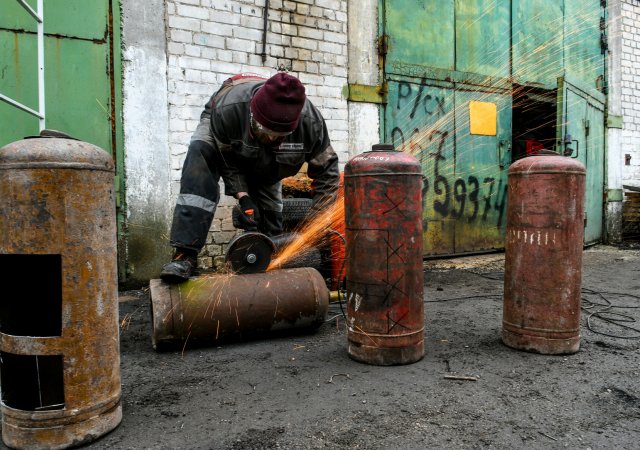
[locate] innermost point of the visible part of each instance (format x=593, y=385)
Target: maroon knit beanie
x=278, y=103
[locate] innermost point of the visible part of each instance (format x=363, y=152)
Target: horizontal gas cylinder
x=218, y=306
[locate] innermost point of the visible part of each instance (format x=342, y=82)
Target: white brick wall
x=631, y=90
x=210, y=40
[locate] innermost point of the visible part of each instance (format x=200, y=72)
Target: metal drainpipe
x=264, y=31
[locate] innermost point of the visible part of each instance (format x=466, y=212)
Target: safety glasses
x=258, y=128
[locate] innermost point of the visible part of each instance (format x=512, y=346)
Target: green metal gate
x=450, y=67
x=581, y=127
x=82, y=75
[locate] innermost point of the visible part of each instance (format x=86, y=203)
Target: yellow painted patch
x=483, y=118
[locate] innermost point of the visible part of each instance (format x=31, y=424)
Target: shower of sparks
x=313, y=233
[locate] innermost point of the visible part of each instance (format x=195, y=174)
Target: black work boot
x=181, y=267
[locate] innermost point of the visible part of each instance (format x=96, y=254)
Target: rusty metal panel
x=56, y=200
x=482, y=38
x=385, y=310
x=543, y=255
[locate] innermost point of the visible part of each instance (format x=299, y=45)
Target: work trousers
x=200, y=194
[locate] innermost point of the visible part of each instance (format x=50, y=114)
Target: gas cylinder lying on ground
x=222, y=306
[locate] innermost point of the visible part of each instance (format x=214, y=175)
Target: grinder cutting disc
x=250, y=252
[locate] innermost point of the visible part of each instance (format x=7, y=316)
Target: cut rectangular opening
x=32, y=382
x=32, y=302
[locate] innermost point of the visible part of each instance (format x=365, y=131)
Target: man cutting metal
x=253, y=133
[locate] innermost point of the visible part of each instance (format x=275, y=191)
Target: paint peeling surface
x=213, y=307
x=75, y=397
x=531, y=237
x=543, y=260
x=384, y=265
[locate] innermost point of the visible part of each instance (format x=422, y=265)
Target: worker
x=253, y=133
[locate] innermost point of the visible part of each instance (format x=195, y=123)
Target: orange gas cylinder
x=543, y=254
x=383, y=215
x=59, y=343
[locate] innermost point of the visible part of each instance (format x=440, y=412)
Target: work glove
x=246, y=215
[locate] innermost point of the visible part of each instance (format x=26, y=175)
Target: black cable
x=494, y=276
x=462, y=298
x=605, y=312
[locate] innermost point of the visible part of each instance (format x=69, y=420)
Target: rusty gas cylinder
x=383, y=215
x=218, y=307
x=543, y=254
x=59, y=343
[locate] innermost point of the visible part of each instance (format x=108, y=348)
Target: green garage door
x=443, y=106
x=455, y=70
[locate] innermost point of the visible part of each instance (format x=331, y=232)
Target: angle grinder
x=252, y=252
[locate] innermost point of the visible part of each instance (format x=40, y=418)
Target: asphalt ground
x=302, y=391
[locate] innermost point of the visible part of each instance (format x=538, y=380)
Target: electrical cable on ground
x=596, y=311
x=604, y=312
x=466, y=297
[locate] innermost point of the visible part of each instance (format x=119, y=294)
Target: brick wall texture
x=631, y=90
x=210, y=40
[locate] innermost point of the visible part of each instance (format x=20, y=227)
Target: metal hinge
x=383, y=45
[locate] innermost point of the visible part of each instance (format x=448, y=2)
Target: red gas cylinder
x=383, y=215
x=543, y=254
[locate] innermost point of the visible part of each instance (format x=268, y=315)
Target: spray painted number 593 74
x=468, y=199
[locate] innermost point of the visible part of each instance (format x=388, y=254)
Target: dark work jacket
x=244, y=161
